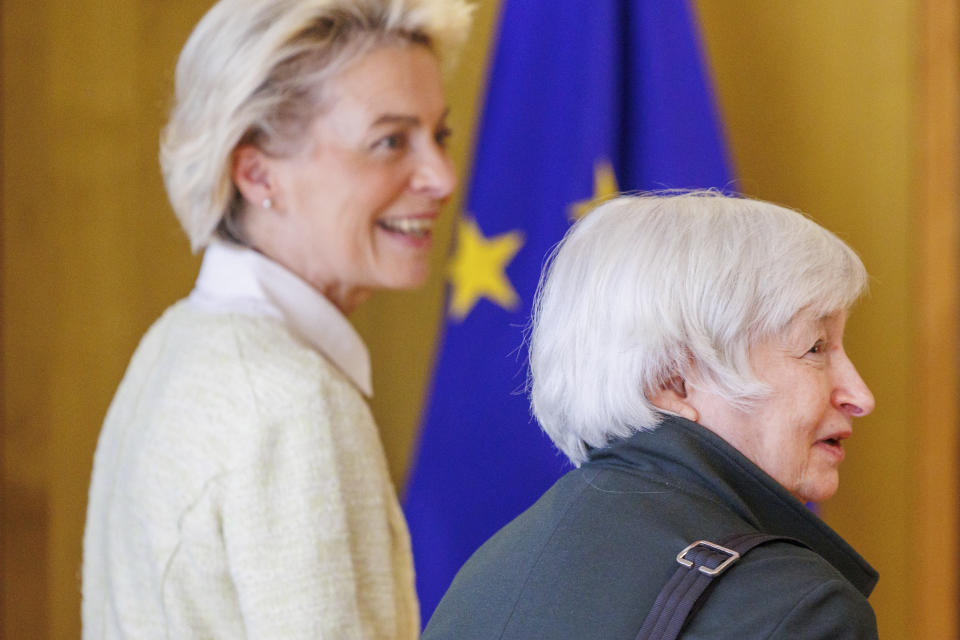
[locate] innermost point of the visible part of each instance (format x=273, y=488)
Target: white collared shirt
x=235, y=279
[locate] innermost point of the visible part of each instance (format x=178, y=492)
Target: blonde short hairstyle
x=648, y=288
x=253, y=72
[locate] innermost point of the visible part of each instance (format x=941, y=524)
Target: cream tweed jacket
x=239, y=485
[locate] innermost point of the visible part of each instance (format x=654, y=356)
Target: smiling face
x=796, y=434
x=354, y=210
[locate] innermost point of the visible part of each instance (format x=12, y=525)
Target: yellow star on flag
x=604, y=188
x=478, y=266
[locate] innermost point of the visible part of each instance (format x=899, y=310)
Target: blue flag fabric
x=584, y=98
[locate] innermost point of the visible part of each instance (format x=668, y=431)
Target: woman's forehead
x=808, y=320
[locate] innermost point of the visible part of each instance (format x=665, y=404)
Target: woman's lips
x=833, y=445
x=415, y=226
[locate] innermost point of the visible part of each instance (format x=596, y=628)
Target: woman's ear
x=251, y=173
x=672, y=397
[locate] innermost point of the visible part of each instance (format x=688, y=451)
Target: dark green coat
x=588, y=559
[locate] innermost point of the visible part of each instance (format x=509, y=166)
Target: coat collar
x=234, y=279
x=691, y=456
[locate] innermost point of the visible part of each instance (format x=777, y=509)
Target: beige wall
x=819, y=101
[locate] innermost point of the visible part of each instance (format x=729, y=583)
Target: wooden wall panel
x=91, y=256
x=24, y=596
x=935, y=586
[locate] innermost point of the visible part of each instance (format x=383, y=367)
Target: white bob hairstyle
x=645, y=289
x=253, y=72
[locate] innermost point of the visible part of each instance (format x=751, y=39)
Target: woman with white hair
x=239, y=486
x=687, y=355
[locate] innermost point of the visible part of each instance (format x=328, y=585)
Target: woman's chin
x=408, y=276
x=820, y=490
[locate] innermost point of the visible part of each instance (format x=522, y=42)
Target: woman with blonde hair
x=239, y=486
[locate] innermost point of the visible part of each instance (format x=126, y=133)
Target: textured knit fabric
x=588, y=559
x=239, y=487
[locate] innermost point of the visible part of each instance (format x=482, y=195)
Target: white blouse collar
x=235, y=279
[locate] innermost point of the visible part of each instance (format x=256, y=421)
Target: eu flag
x=584, y=99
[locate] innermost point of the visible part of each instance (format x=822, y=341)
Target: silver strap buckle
x=733, y=557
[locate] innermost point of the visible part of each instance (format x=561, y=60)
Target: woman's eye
x=392, y=141
x=442, y=136
x=818, y=347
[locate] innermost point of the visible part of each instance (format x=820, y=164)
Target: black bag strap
x=701, y=563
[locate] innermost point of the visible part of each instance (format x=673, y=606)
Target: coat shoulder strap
x=701, y=564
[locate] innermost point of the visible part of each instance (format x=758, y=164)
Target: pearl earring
x=267, y=203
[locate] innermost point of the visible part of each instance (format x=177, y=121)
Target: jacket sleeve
x=310, y=540
x=833, y=610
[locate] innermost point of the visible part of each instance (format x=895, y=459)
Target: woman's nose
x=434, y=174
x=851, y=394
